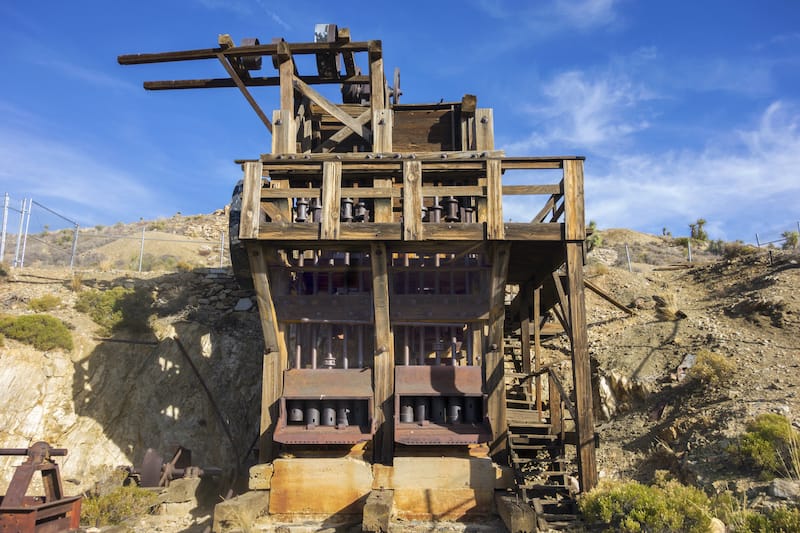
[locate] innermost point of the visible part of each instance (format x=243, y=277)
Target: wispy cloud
x=584, y=111
x=273, y=15
x=542, y=18
x=85, y=74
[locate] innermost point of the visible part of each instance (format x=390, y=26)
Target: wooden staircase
x=536, y=445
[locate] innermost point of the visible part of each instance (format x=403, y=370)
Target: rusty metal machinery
x=155, y=472
x=48, y=513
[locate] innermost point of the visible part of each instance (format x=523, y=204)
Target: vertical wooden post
x=537, y=345
x=575, y=232
x=381, y=116
x=275, y=350
x=495, y=230
x=283, y=121
x=383, y=365
x=468, y=105
x=525, y=335
x=484, y=141
x=251, y=201
x=493, y=362
x=331, y=199
x=412, y=201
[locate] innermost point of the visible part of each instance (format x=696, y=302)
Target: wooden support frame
x=331, y=199
x=412, y=201
x=494, y=361
x=331, y=108
x=383, y=365
x=494, y=199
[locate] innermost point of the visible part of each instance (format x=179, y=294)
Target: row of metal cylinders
x=448, y=209
x=329, y=413
x=440, y=409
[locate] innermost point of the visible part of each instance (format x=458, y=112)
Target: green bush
x=710, y=368
x=630, y=506
x=116, y=308
x=48, y=302
x=43, y=332
x=117, y=506
x=739, y=517
x=771, y=444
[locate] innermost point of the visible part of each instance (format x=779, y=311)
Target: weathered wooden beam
x=283, y=132
x=251, y=201
x=260, y=81
x=412, y=201
x=494, y=199
x=573, y=201
x=240, y=51
x=275, y=351
x=537, y=346
x=237, y=80
x=331, y=142
x=525, y=333
x=607, y=297
x=494, y=361
x=581, y=368
x=383, y=365
x=484, y=129
x=540, y=216
x=331, y=199
x=332, y=108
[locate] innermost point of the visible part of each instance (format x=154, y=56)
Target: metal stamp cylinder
x=328, y=413
x=312, y=414
x=454, y=406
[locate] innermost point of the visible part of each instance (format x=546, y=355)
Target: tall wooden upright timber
x=380, y=256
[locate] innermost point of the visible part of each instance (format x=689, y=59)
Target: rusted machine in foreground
x=49, y=513
x=374, y=237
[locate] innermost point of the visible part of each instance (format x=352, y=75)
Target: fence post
x=19, y=233
x=25, y=236
x=74, y=248
x=757, y=242
x=628, y=254
x=689, y=247
x=5, y=221
x=141, y=250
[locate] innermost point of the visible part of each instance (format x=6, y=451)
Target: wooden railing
x=401, y=196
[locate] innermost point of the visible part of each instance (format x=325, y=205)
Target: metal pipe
x=345, y=362
x=421, y=355
x=437, y=346
x=19, y=233
x=360, y=362
x=453, y=345
x=25, y=237
x=330, y=359
x=470, y=360
x=406, y=347
x=314, y=339
x=298, y=355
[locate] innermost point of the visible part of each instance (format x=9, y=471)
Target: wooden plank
x=387, y=158
x=525, y=164
x=345, y=132
x=512, y=190
x=581, y=367
x=573, y=201
x=359, y=231
x=537, y=346
x=377, y=99
x=383, y=207
x=251, y=201
x=494, y=199
x=260, y=81
x=607, y=297
x=383, y=365
x=412, y=201
x=453, y=190
x=484, y=129
x=519, y=231
x=315, y=192
x=320, y=308
x=289, y=232
x=331, y=199
x=446, y=308
x=332, y=108
x=563, y=301
x=454, y=231
x=275, y=351
x=286, y=72
x=525, y=334
x=494, y=361
x=540, y=216
x=241, y=51
x=556, y=410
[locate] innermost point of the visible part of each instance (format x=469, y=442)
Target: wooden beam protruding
x=383, y=364
x=284, y=130
x=345, y=132
x=573, y=200
x=484, y=129
x=331, y=199
x=412, y=201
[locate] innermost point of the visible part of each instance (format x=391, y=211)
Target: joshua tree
x=697, y=231
x=791, y=238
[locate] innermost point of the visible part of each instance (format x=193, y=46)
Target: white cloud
x=540, y=19
x=584, y=112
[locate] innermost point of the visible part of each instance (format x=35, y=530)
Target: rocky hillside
x=187, y=370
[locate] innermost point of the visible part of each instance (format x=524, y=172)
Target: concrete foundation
x=239, y=513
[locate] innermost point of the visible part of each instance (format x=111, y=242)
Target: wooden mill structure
x=374, y=236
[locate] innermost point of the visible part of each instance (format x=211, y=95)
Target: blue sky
x=683, y=109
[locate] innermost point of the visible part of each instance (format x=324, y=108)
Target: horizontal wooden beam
x=261, y=81
x=332, y=109
x=240, y=51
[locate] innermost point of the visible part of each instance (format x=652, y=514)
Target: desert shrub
x=666, y=309
x=732, y=250
x=117, y=506
x=157, y=225
x=76, y=282
x=2, y=340
x=738, y=517
x=790, y=240
x=48, y=302
x=43, y=332
x=771, y=444
x=3, y=270
x=711, y=368
x=116, y=308
x=183, y=266
x=631, y=506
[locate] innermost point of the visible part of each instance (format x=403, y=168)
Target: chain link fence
x=34, y=235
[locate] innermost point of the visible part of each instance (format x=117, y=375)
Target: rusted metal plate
x=37, y=517
x=438, y=381
x=434, y=434
x=321, y=435
x=333, y=383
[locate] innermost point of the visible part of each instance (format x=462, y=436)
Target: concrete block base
x=517, y=515
x=378, y=511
